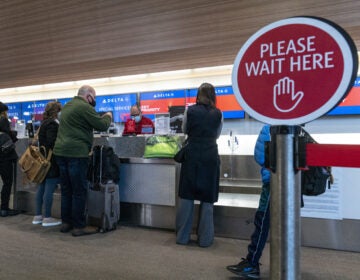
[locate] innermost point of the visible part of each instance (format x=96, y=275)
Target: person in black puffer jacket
x=47, y=135
x=7, y=164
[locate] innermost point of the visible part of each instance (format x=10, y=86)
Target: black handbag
x=6, y=144
x=181, y=154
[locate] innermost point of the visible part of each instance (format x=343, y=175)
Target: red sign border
x=349, y=52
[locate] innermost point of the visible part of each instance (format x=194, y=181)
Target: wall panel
x=44, y=41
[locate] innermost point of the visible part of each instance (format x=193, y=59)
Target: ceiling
x=46, y=41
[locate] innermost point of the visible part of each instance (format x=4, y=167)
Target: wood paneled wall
x=46, y=41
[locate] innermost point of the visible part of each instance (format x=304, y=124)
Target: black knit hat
x=3, y=107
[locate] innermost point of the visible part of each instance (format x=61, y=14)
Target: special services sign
x=294, y=70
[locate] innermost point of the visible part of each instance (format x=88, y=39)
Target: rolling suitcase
x=103, y=199
x=103, y=206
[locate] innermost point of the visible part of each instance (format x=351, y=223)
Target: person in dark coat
x=46, y=137
x=199, y=175
x=7, y=164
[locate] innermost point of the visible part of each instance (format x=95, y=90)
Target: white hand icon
x=284, y=90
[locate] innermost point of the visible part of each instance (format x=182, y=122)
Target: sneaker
x=245, y=269
x=84, y=231
x=49, y=222
x=37, y=220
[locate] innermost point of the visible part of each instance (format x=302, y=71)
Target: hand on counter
x=108, y=114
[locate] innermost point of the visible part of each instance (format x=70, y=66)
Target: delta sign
x=294, y=70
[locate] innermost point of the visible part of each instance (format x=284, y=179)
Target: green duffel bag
x=162, y=146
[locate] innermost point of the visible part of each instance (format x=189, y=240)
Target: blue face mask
x=137, y=119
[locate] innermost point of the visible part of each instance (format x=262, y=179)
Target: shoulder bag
x=34, y=164
x=161, y=146
x=6, y=143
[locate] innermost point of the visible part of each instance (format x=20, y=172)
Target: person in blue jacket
x=249, y=266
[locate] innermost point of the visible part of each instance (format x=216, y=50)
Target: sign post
x=288, y=73
x=285, y=207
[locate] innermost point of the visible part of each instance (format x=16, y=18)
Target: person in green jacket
x=72, y=147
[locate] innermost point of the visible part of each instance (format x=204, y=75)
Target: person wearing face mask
x=138, y=124
x=72, y=147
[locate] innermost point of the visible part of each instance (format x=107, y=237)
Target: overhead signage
x=350, y=105
x=160, y=101
x=118, y=104
x=294, y=70
x=225, y=101
x=32, y=108
x=63, y=101
x=14, y=110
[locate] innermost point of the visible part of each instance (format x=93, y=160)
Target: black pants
x=7, y=176
x=262, y=227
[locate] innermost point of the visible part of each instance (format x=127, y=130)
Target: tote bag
x=162, y=146
x=34, y=164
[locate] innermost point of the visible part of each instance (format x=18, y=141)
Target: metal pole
x=285, y=208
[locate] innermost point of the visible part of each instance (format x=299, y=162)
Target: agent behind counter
x=138, y=124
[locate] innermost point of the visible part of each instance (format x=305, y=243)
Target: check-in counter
x=148, y=195
x=148, y=188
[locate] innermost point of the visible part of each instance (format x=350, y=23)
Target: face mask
x=92, y=102
x=58, y=115
x=137, y=119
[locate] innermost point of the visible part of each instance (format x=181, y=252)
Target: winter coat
x=200, y=173
x=47, y=136
x=75, y=135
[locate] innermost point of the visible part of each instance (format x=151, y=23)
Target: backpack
x=315, y=180
x=104, y=165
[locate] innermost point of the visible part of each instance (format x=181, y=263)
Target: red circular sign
x=294, y=70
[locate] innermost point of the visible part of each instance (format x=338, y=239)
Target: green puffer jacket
x=75, y=134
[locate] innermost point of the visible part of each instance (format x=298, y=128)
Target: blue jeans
x=44, y=194
x=184, y=220
x=74, y=184
x=262, y=227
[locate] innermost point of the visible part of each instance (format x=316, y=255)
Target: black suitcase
x=103, y=199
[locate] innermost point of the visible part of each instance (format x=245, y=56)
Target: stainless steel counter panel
x=149, y=181
x=148, y=160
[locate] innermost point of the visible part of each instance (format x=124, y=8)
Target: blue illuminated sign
x=118, y=104
x=14, y=110
x=225, y=101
